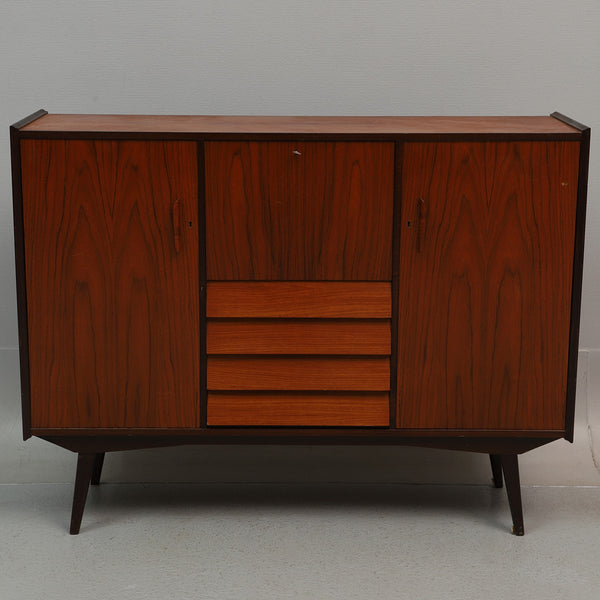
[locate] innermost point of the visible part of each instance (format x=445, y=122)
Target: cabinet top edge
x=299, y=125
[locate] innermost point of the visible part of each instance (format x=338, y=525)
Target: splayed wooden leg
x=510, y=467
x=97, y=469
x=496, y=470
x=85, y=466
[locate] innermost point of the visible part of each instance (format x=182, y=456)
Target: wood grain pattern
x=294, y=125
x=299, y=299
x=300, y=336
x=298, y=409
x=299, y=210
x=298, y=373
x=484, y=324
x=112, y=305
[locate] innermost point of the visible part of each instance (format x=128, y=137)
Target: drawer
x=298, y=373
x=300, y=299
x=299, y=336
x=298, y=409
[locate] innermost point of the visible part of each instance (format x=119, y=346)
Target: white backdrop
x=318, y=57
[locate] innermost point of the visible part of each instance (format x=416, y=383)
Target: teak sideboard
x=299, y=280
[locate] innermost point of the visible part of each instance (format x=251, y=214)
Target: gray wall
x=354, y=57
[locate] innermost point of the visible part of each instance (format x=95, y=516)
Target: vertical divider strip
x=396, y=232
x=202, y=282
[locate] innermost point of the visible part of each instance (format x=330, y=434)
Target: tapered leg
x=97, y=469
x=510, y=466
x=496, y=470
x=85, y=466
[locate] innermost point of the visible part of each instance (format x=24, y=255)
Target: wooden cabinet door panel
x=484, y=286
x=111, y=251
x=299, y=210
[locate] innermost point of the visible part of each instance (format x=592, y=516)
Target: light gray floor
x=262, y=541
x=373, y=523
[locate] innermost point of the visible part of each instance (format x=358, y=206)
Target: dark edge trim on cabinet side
x=499, y=445
x=584, y=156
x=29, y=119
x=202, y=273
x=571, y=122
x=19, y=244
x=396, y=229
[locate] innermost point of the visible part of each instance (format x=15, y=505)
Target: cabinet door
x=299, y=210
x=111, y=253
x=485, y=284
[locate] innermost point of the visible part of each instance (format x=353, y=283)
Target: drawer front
x=300, y=299
x=299, y=210
x=298, y=409
x=298, y=373
x=299, y=336
x=298, y=353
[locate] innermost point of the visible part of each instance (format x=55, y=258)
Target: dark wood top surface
x=294, y=125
